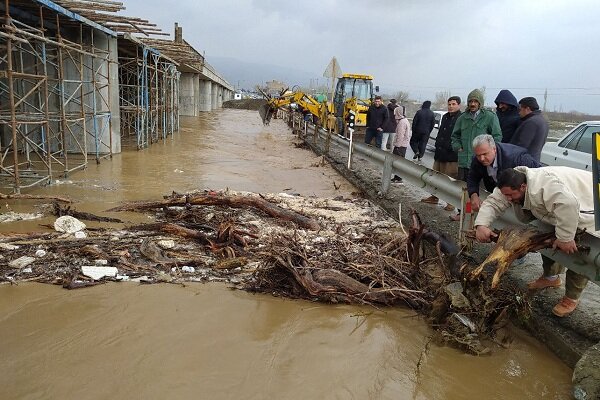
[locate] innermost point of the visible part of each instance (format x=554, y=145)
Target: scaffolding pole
x=54, y=95
x=148, y=95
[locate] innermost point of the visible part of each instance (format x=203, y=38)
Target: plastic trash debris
x=65, y=182
x=101, y=262
x=8, y=246
x=97, y=273
x=455, y=292
x=465, y=321
x=166, y=244
x=40, y=253
x=80, y=235
x=123, y=278
x=68, y=224
x=189, y=269
x=27, y=270
x=21, y=262
x=12, y=216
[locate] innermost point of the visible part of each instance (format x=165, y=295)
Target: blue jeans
x=373, y=133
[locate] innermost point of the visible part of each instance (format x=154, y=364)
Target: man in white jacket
x=560, y=196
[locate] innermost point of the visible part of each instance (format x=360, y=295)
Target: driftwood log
x=512, y=243
x=60, y=211
x=34, y=197
x=224, y=200
x=173, y=229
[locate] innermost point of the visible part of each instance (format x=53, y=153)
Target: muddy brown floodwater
x=124, y=341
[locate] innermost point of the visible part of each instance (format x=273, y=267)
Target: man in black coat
x=377, y=115
x=533, y=130
x=422, y=125
x=507, y=111
x=389, y=128
x=491, y=158
x=445, y=158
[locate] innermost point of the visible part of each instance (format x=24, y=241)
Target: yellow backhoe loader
x=353, y=92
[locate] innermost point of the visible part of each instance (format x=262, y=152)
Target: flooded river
x=125, y=341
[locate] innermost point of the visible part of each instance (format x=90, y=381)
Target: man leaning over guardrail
x=490, y=158
x=559, y=196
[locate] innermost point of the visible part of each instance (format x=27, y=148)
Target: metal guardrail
x=454, y=192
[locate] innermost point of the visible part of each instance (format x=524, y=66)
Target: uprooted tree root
x=306, y=248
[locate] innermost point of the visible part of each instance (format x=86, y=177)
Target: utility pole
x=545, y=99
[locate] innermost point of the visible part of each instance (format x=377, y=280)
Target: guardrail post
x=350, y=148
x=386, y=176
x=467, y=221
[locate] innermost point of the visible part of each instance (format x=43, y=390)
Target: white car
x=574, y=150
x=436, y=127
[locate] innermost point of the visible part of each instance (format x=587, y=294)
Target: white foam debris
x=97, y=273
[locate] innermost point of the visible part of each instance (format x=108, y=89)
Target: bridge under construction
x=78, y=82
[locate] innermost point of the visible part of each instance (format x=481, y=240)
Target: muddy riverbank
x=173, y=342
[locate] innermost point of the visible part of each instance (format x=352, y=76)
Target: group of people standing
x=515, y=123
x=501, y=151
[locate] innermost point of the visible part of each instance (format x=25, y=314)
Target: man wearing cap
x=473, y=122
x=533, y=130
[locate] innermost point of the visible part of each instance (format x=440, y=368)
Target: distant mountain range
x=246, y=75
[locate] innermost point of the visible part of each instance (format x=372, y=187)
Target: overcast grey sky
x=418, y=46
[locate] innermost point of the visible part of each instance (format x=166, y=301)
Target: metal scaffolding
x=58, y=87
x=54, y=93
x=148, y=93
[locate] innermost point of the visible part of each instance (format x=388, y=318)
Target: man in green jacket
x=472, y=123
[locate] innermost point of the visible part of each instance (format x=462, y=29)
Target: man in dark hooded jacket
x=507, y=110
x=422, y=125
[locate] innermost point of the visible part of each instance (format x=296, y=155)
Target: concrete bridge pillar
x=205, y=103
x=214, y=97
x=188, y=94
x=220, y=92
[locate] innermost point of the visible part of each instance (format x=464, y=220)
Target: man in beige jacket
x=559, y=196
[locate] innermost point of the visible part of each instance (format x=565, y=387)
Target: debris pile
x=331, y=250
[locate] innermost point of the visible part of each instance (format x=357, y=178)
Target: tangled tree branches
x=317, y=249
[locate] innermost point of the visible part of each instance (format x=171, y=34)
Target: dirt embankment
x=244, y=104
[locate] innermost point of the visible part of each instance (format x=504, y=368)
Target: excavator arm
x=302, y=99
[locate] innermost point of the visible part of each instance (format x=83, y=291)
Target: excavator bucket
x=266, y=112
